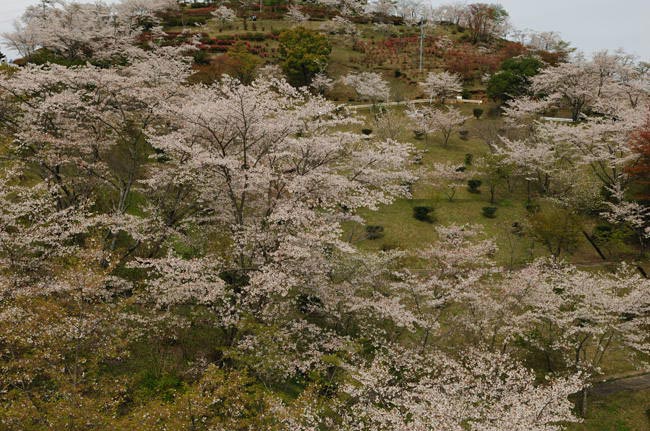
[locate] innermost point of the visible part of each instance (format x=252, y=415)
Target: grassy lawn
x=624, y=411
x=402, y=231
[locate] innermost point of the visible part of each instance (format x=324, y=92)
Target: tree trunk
x=583, y=402
x=595, y=246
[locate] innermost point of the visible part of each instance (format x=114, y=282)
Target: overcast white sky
x=589, y=25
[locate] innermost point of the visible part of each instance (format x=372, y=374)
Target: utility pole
x=422, y=22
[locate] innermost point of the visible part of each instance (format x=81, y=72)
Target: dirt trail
x=414, y=101
x=633, y=383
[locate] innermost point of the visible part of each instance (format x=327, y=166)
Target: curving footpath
x=638, y=382
x=410, y=102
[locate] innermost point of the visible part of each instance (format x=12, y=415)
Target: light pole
x=421, y=24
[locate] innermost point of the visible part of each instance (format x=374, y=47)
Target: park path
x=414, y=101
x=633, y=383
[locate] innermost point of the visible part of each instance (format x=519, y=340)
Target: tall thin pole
x=421, y=43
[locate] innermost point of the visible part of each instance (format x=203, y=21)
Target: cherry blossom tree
x=430, y=120
x=84, y=30
x=549, y=41
x=35, y=231
x=600, y=85
x=599, y=94
x=536, y=159
x=384, y=7
x=570, y=82
x=321, y=83
x=276, y=178
x=340, y=25
x=83, y=128
x=260, y=167
x=441, y=86
x=296, y=15
x=581, y=314
x=369, y=86
x=390, y=124
x=452, y=177
x=59, y=311
x=454, y=13
x=224, y=15
x=633, y=215
x=402, y=389
x=456, y=269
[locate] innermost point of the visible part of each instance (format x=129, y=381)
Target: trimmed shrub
x=532, y=207
x=424, y=214
x=494, y=111
x=388, y=247
x=374, y=232
x=473, y=186
x=308, y=303
x=201, y=57
x=469, y=158
x=366, y=131
x=464, y=134
x=478, y=112
x=489, y=212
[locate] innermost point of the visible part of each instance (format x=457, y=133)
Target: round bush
x=532, y=207
x=424, y=214
x=473, y=186
x=374, y=232
x=490, y=212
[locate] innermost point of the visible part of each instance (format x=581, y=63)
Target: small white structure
x=557, y=119
x=459, y=99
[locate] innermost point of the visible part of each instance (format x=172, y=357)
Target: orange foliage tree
x=640, y=169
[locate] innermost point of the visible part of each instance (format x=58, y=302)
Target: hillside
x=263, y=216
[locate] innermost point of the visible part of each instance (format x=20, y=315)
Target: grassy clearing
x=624, y=411
x=403, y=231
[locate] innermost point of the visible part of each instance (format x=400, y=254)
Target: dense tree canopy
x=303, y=53
x=513, y=80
